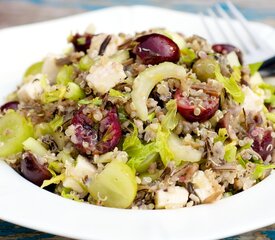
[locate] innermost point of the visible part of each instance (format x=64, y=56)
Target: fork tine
x=214, y=16
x=208, y=31
x=226, y=17
x=238, y=15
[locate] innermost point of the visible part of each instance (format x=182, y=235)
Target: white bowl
x=24, y=204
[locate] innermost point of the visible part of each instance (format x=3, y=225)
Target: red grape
x=32, y=170
x=156, y=48
x=206, y=110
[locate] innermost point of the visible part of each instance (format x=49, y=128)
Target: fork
x=224, y=23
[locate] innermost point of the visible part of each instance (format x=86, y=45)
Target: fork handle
x=268, y=67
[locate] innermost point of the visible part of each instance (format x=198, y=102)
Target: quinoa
x=115, y=125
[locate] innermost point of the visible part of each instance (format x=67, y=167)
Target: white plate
x=25, y=204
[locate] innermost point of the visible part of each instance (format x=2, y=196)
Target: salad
x=156, y=120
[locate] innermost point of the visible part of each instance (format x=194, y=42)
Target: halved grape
x=33, y=170
x=263, y=142
x=188, y=110
x=224, y=49
x=205, y=68
x=14, y=130
x=98, y=138
x=156, y=48
x=9, y=105
x=115, y=186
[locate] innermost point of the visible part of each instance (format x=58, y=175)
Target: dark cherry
x=186, y=109
x=9, y=105
x=156, y=48
x=81, y=42
x=32, y=170
x=263, y=142
x=223, y=48
x=96, y=138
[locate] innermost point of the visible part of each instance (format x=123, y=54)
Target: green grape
x=35, y=147
x=74, y=92
x=42, y=129
x=65, y=75
x=85, y=63
x=205, y=68
x=34, y=69
x=14, y=130
x=115, y=186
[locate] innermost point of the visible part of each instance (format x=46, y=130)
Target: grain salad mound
x=151, y=121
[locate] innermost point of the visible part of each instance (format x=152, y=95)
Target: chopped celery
x=68, y=193
x=145, y=164
x=54, y=95
x=85, y=63
x=187, y=55
x=171, y=119
x=34, y=69
x=59, y=138
x=254, y=67
x=222, y=135
x=54, y=180
x=151, y=116
x=115, y=186
x=231, y=84
x=65, y=75
x=140, y=154
x=164, y=150
x=183, y=153
x=55, y=166
x=74, y=92
x=115, y=93
x=260, y=169
x=270, y=116
x=35, y=147
x=96, y=101
x=56, y=122
x=230, y=152
x=65, y=157
x=120, y=56
x=14, y=130
x=42, y=129
x=147, y=80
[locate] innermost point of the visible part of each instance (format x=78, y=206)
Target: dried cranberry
x=263, y=142
x=227, y=48
x=81, y=42
x=9, y=105
x=206, y=110
x=32, y=170
x=156, y=48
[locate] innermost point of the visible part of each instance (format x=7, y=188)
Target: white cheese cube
x=81, y=170
x=50, y=68
x=77, y=174
x=174, y=197
x=252, y=101
x=30, y=91
x=206, y=187
x=105, y=75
